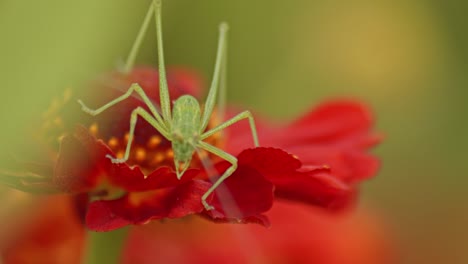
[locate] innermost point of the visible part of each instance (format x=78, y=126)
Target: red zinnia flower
x=329, y=144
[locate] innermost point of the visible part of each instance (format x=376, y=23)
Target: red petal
x=139, y=208
x=336, y=134
x=133, y=179
x=347, y=164
x=269, y=161
x=339, y=125
x=313, y=185
x=242, y=197
x=80, y=162
x=333, y=119
x=317, y=188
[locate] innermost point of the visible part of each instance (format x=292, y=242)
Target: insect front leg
x=226, y=156
x=139, y=111
x=235, y=119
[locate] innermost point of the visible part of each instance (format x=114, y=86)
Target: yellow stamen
x=113, y=142
x=158, y=157
x=170, y=153
x=154, y=141
x=94, y=129
x=140, y=154
x=120, y=154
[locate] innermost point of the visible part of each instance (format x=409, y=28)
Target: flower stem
x=105, y=247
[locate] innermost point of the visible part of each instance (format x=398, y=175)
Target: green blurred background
x=407, y=59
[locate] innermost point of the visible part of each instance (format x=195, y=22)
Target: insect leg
x=134, y=87
x=210, y=100
x=226, y=156
x=223, y=84
x=235, y=119
x=139, y=111
x=163, y=89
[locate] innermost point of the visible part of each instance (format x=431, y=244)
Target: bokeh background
x=407, y=59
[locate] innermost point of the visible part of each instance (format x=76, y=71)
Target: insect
x=186, y=126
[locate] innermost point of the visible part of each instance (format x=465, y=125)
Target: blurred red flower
x=299, y=234
x=49, y=232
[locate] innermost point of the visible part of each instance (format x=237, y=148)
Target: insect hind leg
x=228, y=157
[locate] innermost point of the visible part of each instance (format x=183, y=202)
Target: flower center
x=151, y=150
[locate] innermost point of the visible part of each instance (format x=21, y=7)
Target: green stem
x=105, y=247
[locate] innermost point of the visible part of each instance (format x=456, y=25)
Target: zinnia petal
x=139, y=208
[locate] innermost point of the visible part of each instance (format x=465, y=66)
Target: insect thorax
x=185, y=127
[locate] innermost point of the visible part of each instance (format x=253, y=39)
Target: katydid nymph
x=186, y=126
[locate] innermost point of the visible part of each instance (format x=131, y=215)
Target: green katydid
x=186, y=126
